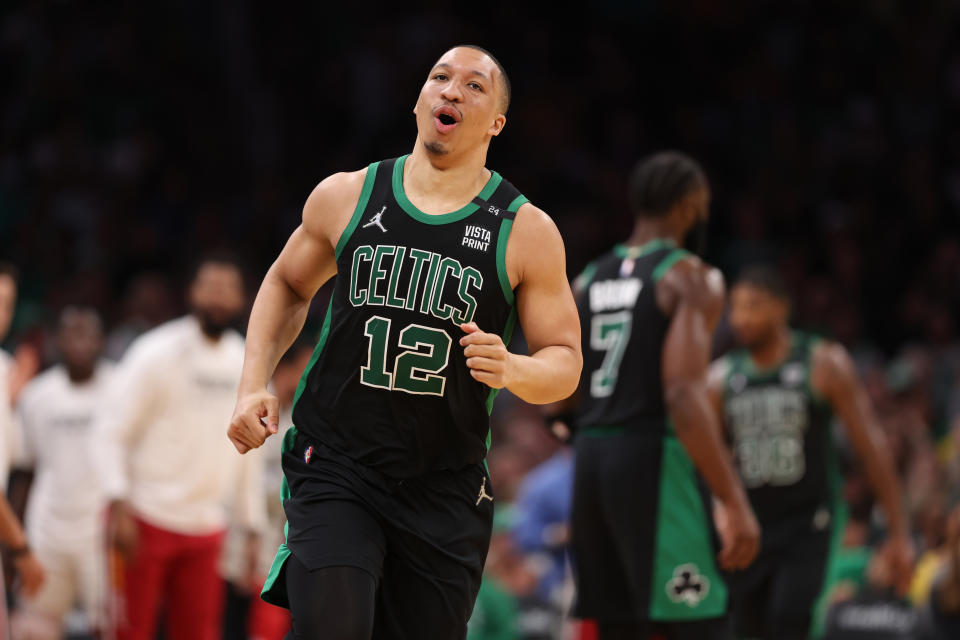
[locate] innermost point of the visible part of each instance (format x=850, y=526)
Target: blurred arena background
x=135, y=137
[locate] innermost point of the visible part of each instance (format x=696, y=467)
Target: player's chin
x=436, y=147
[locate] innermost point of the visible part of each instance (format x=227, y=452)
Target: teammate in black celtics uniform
x=388, y=501
x=645, y=558
x=777, y=397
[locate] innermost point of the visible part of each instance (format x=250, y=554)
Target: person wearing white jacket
x=64, y=509
x=29, y=569
x=166, y=469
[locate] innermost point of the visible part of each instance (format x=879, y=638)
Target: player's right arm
x=692, y=294
x=307, y=261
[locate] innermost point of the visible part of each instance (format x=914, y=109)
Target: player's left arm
x=536, y=262
x=835, y=377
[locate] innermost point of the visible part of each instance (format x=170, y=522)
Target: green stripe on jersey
x=502, y=275
x=671, y=259
x=358, y=211
x=324, y=334
x=638, y=251
x=401, y=196
x=502, y=237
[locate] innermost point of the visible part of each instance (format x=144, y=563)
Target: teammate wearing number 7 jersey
x=644, y=550
x=777, y=397
x=388, y=502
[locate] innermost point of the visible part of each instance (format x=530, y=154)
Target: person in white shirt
x=12, y=536
x=65, y=506
x=166, y=470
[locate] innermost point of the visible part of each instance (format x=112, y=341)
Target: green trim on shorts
x=270, y=585
x=360, y=208
x=683, y=551
x=838, y=521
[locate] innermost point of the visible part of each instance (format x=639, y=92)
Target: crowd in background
x=134, y=137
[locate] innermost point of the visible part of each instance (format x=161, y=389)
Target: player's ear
x=498, y=124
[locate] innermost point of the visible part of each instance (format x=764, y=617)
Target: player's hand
x=122, y=530
x=487, y=356
x=31, y=573
x=739, y=534
x=898, y=553
x=255, y=418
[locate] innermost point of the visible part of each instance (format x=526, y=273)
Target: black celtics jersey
x=623, y=332
x=388, y=384
x=780, y=432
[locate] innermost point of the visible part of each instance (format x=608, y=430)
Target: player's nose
x=451, y=92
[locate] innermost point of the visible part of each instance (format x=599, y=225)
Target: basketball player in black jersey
x=388, y=500
x=644, y=549
x=777, y=398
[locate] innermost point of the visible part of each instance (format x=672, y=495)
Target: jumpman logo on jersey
x=483, y=493
x=375, y=220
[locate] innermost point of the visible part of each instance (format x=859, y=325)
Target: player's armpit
x=536, y=263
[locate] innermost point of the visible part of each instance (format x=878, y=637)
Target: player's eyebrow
x=475, y=72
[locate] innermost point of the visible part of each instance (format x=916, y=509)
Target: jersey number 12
x=427, y=352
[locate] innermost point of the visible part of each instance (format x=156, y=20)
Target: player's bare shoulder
x=331, y=204
x=832, y=368
x=694, y=282
x=535, y=243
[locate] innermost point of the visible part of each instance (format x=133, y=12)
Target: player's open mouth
x=445, y=118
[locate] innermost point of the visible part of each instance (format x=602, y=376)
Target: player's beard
x=213, y=323
x=436, y=147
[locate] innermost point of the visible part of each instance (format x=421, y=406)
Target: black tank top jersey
x=623, y=332
x=780, y=432
x=388, y=385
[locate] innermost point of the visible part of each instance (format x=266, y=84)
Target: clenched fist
x=487, y=356
x=255, y=418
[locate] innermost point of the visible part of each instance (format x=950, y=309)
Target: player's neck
x=445, y=179
x=648, y=229
x=772, y=352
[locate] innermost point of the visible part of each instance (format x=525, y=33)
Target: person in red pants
x=167, y=471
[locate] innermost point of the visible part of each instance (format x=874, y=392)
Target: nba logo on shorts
x=307, y=454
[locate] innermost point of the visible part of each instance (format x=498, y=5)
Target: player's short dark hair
x=9, y=270
x=660, y=181
x=219, y=256
x=505, y=88
x=765, y=278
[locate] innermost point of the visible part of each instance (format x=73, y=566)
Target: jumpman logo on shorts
x=375, y=220
x=483, y=493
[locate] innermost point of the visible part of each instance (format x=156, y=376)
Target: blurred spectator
x=876, y=613
x=64, y=512
x=12, y=535
x=943, y=609
x=509, y=606
x=541, y=526
x=166, y=465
